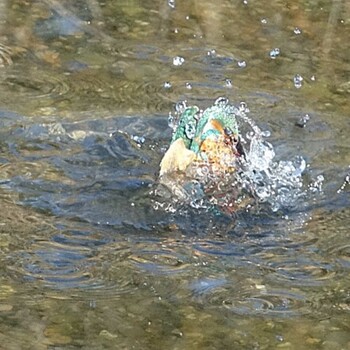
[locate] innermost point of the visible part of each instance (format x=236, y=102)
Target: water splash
x=345, y=183
x=228, y=83
x=303, y=120
x=167, y=85
x=274, y=53
x=278, y=183
x=242, y=64
x=172, y=4
x=259, y=177
x=178, y=61
x=298, y=81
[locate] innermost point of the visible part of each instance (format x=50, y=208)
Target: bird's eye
x=228, y=132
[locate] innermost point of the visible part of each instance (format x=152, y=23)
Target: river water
x=89, y=257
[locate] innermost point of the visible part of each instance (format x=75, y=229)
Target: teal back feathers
x=187, y=125
x=194, y=127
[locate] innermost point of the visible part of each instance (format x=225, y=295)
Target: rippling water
x=90, y=257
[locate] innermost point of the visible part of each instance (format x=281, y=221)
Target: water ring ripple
x=159, y=259
x=279, y=303
x=73, y=263
x=304, y=273
x=36, y=85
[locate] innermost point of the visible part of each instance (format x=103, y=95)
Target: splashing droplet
x=180, y=106
x=298, y=81
x=316, y=185
x=345, y=183
x=221, y=102
x=274, y=53
x=171, y=3
x=228, y=83
x=261, y=156
x=303, y=121
x=243, y=107
x=171, y=121
x=211, y=53
x=140, y=140
x=264, y=21
x=178, y=61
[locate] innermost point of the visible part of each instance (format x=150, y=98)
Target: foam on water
x=259, y=178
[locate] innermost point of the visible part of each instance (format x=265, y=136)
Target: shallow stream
x=91, y=257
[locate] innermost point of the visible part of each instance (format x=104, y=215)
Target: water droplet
x=279, y=338
x=228, y=83
x=167, y=85
x=298, y=81
x=188, y=86
x=187, y=17
x=302, y=121
x=275, y=53
x=243, y=107
x=171, y=121
x=211, y=53
x=221, y=102
x=178, y=61
x=297, y=31
x=264, y=21
x=171, y=3
x=242, y=64
x=181, y=106
x=261, y=154
x=245, y=2
x=176, y=30
x=138, y=139
x=345, y=183
x=316, y=185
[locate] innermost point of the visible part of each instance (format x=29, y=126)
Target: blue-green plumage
x=195, y=127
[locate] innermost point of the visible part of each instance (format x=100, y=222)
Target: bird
x=208, y=138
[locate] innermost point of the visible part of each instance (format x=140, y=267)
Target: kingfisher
x=204, y=138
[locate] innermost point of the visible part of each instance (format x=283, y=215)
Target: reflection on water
x=87, y=260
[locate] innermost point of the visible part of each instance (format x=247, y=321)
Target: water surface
x=87, y=260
